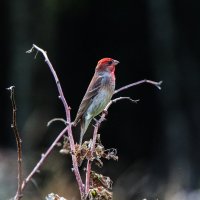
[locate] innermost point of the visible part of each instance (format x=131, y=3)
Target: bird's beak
x=116, y=62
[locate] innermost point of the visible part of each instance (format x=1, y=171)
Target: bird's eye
x=109, y=62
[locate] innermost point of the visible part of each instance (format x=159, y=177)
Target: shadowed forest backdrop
x=158, y=139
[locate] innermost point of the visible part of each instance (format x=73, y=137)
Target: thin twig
x=68, y=118
x=61, y=95
x=18, y=194
x=43, y=158
x=55, y=120
x=157, y=84
x=96, y=127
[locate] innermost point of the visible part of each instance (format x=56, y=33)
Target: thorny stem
x=43, y=158
x=18, y=194
x=61, y=95
x=68, y=117
x=157, y=84
x=96, y=128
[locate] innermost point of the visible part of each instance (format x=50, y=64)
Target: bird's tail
x=81, y=137
x=84, y=125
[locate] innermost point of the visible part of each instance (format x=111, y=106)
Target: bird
x=98, y=94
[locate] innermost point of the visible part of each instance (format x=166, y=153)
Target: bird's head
x=106, y=64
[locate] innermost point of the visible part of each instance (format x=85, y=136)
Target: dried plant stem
x=18, y=194
x=55, y=120
x=157, y=84
x=68, y=118
x=43, y=158
x=96, y=128
x=61, y=95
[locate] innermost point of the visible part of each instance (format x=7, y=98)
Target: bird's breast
x=100, y=101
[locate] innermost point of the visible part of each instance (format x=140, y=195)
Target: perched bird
x=98, y=94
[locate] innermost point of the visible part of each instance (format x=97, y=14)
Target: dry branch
x=157, y=84
x=96, y=128
x=68, y=117
x=43, y=158
x=18, y=194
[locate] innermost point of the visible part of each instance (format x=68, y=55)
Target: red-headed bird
x=98, y=94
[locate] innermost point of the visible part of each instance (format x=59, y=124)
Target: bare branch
x=61, y=95
x=157, y=84
x=96, y=128
x=43, y=158
x=121, y=98
x=56, y=119
x=18, y=194
x=68, y=117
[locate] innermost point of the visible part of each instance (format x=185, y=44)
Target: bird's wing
x=91, y=92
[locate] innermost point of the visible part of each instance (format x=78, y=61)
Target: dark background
x=158, y=139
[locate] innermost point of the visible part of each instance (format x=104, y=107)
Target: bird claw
x=73, y=124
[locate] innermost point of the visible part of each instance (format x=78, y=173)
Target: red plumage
x=98, y=94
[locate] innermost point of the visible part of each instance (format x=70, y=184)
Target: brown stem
x=97, y=125
x=61, y=95
x=89, y=163
x=18, y=194
x=87, y=177
x=157, y=84
x=55, y=120
x=43, y=158
x=68, y=117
